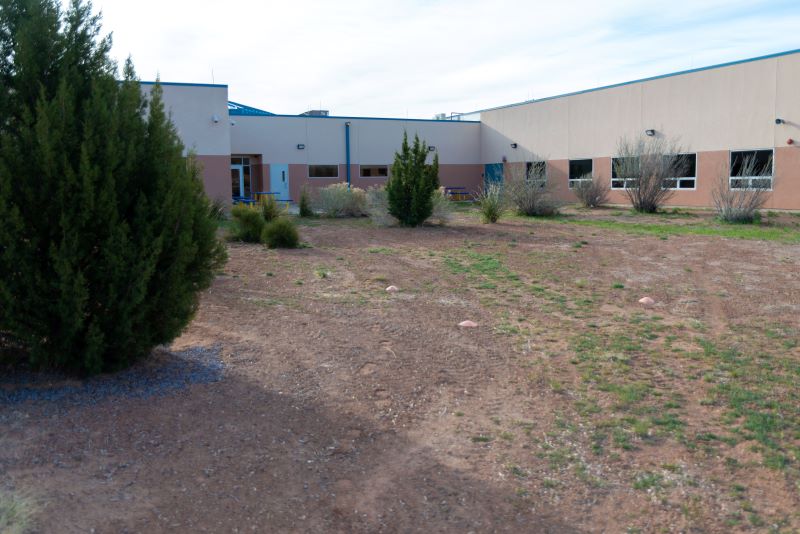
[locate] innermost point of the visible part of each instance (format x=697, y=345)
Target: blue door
x=493, y=174
x=279, y=180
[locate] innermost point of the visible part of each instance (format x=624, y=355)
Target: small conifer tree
x=107, y=236
x=412, y=183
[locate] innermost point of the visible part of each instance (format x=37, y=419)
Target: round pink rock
x=468, y=324
x=646, y=301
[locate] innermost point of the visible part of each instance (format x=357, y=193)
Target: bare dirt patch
x=344, y=408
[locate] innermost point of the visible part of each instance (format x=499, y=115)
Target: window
x=624, y=172
x=751, y=169
x=685, y=166
x=323, y=171
x=579, y=170
x=374, y=171
x=536, y=169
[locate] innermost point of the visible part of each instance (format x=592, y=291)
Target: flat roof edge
x=185, y=84
x=364, y=118
x=641, y=80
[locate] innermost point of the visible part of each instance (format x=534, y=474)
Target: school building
x=720, y=115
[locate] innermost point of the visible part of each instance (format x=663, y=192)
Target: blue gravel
x=160, y=376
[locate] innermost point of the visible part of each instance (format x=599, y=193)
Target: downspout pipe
x=347, y=150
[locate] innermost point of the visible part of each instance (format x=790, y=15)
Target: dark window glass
x=536, y=168
x=626, y=164
x=323, y=171
x=374, y=171
x=685, y=165
x=578, y=168
x=756, y=162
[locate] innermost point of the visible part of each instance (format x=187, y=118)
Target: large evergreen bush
x=106, y=236
x=412, y=183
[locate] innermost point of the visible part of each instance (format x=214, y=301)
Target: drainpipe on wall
x=347, y=150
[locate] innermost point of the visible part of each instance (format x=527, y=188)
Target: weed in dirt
x=618, y=285
x=647, y=480
x=15, y=513
x=481, y=439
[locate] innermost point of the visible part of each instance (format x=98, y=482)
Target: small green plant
x=280, y=233
x=412, y=184
x=15, y=514
x=481, y=439
x=618, y=285
x=270, y=210
x=305, y=204
x=248, y=224
x=491, y=203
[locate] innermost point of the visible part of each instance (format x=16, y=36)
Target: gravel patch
x=162, y=374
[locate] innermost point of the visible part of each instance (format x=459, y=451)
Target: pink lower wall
x=453, y=175
x=216, y=176
x=710, y=166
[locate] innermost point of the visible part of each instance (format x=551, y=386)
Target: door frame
x=239, y=167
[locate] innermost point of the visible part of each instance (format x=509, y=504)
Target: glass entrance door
x=237, y=180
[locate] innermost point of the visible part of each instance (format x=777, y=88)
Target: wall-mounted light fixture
x=347, y=123
x=301, y=146
x=513, y=145
x=649, y=133
x=233, y=123
x=780, y=121
x=215, y=119
x=431, y=148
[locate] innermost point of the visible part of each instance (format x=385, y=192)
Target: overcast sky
x=417, y=58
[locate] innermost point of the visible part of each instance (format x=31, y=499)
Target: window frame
x=323, y=177
x=750, y=179
x=679, y=179
x=572, y=181
x=385, y=176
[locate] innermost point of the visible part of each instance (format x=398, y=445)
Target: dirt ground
x=344, y=408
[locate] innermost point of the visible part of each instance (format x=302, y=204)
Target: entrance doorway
x=241, y=181
x=279, y=180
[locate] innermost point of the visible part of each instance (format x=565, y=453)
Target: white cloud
x=358, y=57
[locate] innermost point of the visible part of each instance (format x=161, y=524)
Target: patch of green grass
x=380, y=250
x=764, y=233
x=481, y=439
x=618, y=285
x=646, y=481
x=15, y=513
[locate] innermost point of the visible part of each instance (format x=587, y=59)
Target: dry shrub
x=378, y=207
x=529, y=191
x=741, y=204
x=442, y=207
x=645, y=166
x=591, y=192
x=339, y=200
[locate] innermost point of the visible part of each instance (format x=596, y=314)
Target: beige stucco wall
x=724, y=108
x=191, y=108
x=372, y=141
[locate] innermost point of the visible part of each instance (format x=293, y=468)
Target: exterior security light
x=780, y=121
x=649, y=133
x=233, y=123
x=431, y=148
x=513, y=145
x=301, y=146
x=215, y=119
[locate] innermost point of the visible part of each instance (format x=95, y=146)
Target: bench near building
x=719, y=115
